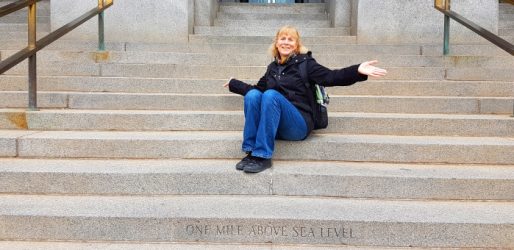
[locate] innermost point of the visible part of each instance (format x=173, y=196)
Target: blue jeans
x=270, y=115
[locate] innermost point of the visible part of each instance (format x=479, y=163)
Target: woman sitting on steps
x=278, y=106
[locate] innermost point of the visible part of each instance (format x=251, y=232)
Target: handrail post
x=32, y=67
x=446, y=42
x=101, y=39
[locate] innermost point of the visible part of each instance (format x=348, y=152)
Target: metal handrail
x=12, y=7
x=444, y=7
x=34, y=46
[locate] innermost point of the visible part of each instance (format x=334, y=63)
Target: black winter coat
x=290, y=83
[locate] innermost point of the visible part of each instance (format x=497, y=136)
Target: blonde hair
x=293, y=32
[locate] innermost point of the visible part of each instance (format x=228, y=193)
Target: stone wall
x=132, y=21
x=373, y=21
x=416, y=21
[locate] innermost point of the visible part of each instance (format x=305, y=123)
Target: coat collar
x=294, y=59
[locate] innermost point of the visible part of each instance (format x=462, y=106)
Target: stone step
x=222, y=145
x=477, y=73
x=505, y=24
x=42, y=9
x=263, y=48
x=22, y=27
x=506, y=31
x=465, y=50
x=20, y=19
x=262, y=59
x=388, y=104
x=71, y=68
x=222, y=16
x=219, y=48
x=197, y=38
x=312, y=8
x=333, y=59
x=235, y=219
x=253, y=72
x=8, y=141
x=509, y=39
x=506, y=11
x=506, y=16
x=429, y=88
x=232, y=102
x=300, y=24
x=218, y=177
x=212, y=86
x=223, y=44
x=247, y=72
x=266, y=31
x=222, y=72
x=20, y=36
x=27, y=245
x=345, y=123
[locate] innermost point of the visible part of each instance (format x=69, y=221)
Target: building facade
x=372, y=21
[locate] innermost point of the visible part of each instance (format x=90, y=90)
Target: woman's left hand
x=367, y=68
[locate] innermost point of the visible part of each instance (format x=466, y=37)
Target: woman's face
x=286, y=45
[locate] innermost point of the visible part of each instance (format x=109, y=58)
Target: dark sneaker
x=241, y=164
x=257, y=164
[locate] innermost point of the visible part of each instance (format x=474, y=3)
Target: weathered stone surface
x=145, y=20
x=345, y=123
x=285, y=178
x=419, y=22
x=8, y=142
x=258, y=220
x=129, y=177
x=373, y=148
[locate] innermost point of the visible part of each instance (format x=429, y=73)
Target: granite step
x=27, y=245
x=19, y=36
x=506, y=16
x=213, y=86
x=266, y=31
x=210, y=39
x=22, y=18
x=147, y=70
x=223, y=145
x=218, y=177
x=20, y=27
x=42, y=9
x=506, y=31
x=506, y=9
x=223, y=219
x=330, y=58
x=233, y=102
x=478, y=73
x=262, y=48
x=506, y=24
x=509, y=39
x=340, y=122
x=300, y=24
x=247, y=44
x=312, y=8
x=465, y=50
x=222, y=16
x=334, y=59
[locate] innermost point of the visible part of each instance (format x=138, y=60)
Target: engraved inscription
x=268, y=230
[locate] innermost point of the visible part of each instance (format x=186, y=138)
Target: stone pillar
x=416, y=21
x=354, y=17
x=206, y=12
x=339, y=12
x=165, y=21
